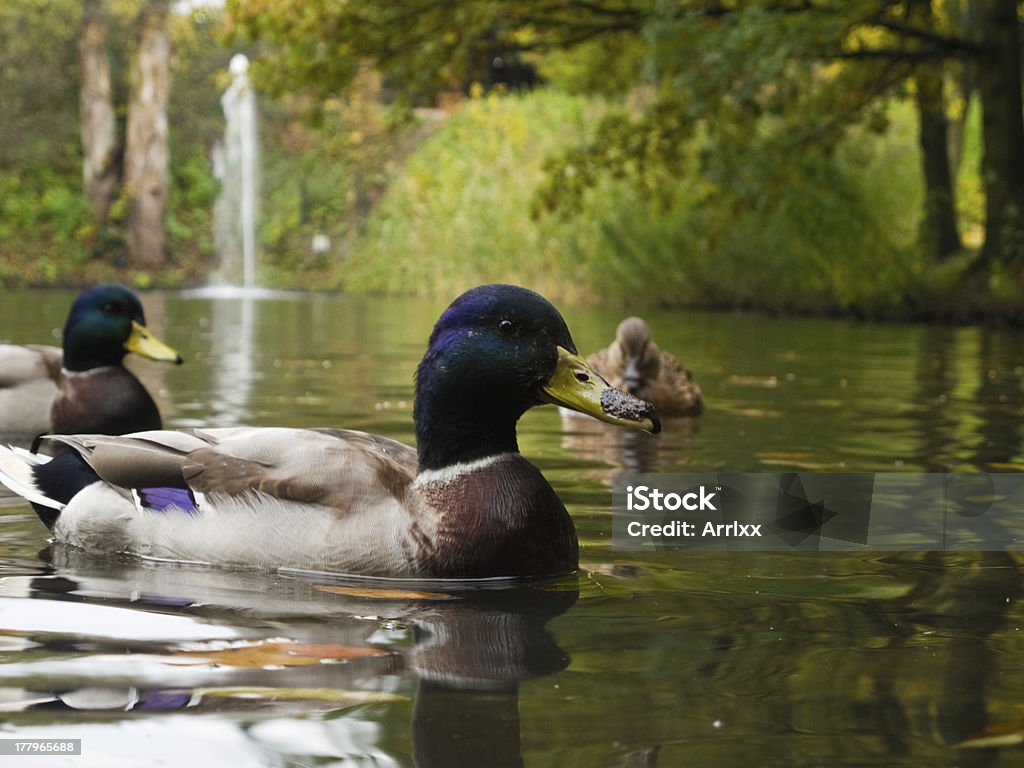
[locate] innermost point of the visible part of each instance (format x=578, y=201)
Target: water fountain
x=236, y=165
x=233, y=291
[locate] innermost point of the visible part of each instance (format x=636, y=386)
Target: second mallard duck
x=463, y=504
x=84, y=387
x=634, y=363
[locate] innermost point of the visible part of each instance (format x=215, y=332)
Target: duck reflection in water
x=468, y=646
x=589, y=440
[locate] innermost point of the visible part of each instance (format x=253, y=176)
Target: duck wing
x=306, y=466
x=674, y=391
x=29, y=382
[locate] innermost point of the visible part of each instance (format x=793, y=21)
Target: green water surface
x=660, y=659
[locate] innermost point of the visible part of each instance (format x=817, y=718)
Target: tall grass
x=459, y=213
x=839, y=235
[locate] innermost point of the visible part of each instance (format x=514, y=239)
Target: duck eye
x=109, y=309
x=506, y=327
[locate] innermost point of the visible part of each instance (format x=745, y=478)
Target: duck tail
x=47, y=483
x=17, y=472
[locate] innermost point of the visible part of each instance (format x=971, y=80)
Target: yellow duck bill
x=577, y=386
x=144, y=343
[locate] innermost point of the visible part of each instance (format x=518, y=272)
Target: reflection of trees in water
x=986, y=431
x=936, y=380
x=964, y=601
x=1000, y=399
x=822, y=659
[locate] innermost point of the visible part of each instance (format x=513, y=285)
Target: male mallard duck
x=464, y=504
x=85, y=387
x=634, y=363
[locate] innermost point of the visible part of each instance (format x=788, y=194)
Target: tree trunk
x=1002, y=165
x=147, y=150
x=939, y=233
x=938, y=228
x=96, y=111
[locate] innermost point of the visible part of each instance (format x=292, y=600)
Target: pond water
x=644, y=659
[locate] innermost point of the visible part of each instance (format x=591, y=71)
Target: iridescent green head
x=497, y=351
x=105, y=323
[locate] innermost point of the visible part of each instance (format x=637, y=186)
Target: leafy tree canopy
x=762, y=80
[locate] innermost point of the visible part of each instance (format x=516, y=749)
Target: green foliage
x=424, y=48
x=458, y=213
x=612, y=65
x=47, y=232
x=322, y=178
x=650, y=152
x=38, y=121
x=190, y=215
x=43, y=223
x=826, y=239
x=199, y=77
x=322, y=47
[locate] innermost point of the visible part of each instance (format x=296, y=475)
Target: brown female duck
x=634, y=363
